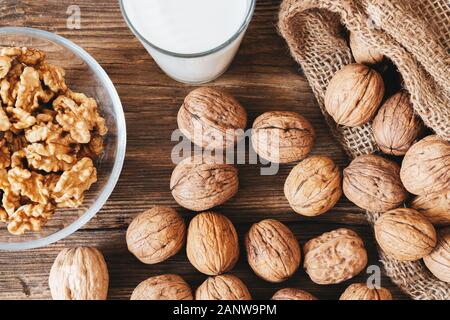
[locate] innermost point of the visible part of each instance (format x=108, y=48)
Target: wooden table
x=263, y=77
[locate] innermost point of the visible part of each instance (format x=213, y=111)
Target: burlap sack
x=415, y=35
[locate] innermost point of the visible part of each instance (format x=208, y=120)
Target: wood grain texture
x=263, y=78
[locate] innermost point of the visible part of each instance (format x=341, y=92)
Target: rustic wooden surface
x=263, y=77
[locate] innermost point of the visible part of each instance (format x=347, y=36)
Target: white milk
x=189, y=27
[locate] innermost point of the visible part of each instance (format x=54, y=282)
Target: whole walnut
x=434, y=206
x=293, y=294
x=79, y=274
x=156, y=235
x=405, y=234
x=362, y=52
x=373, y=183
x=272, y=250
x=282, y=137
x=354, y=95
x=314, y=186
x=396, y=127
x=223, y=287
x=212, y=119
x=335, y=256
x=360, y=291
x=163, y=287
x=426, y=166
x=212, y=243
x=438, y=261
x=201, y=183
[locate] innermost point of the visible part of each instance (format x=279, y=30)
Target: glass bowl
x=83, y=74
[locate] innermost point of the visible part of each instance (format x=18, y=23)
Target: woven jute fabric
x=415, y=36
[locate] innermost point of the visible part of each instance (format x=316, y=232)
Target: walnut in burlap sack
x=415, y=35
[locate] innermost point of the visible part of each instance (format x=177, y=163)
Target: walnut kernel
x=69, y=191
x=44, y=163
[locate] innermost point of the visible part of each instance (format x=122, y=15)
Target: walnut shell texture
x=212, y=119
x=438, y=261
x=354, y=95
x=201, y=183
x=335, y=256
x=373, y=183
x=212, y=243
x=156, y=235
x=282, y=137
x=272, y=250
x=314, y=186
x=405, y=234
x=396, y=127
x=293, y=294
x=426, y=166
x=434, y=206
x=163, y=287
x=362, y=53
x=79, y=274
x=223, y=287
x=360, y=291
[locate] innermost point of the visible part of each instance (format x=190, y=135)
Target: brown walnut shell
x=293, y=294
x=362, y=53
x=405, y=234
x=335, y=256
x=156, y=235
x=201, y=183
x=163, y=287
x=212, y=243
x=354, y=95
x=396, y=127
x=282, y=137
x=212, y=119
x=434, y=206
x=360, y=291
x=79, y=274
x=438, y=261
x=373, y=183
x=314, y=186
x=272, y=250
x=426, y=166
x=223, y=287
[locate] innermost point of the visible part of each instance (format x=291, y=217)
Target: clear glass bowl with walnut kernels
x=83, y=74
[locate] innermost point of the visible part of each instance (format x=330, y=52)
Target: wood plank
x=263, y=77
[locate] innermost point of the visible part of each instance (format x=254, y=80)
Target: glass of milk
x=193, y=41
